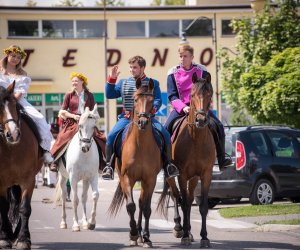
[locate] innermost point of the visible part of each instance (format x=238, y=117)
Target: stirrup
x=108, y=173
x=173, y=172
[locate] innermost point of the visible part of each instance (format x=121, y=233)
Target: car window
x=259, y=143
x=282, y=144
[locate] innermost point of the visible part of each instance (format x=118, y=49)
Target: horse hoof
x=63, y=225
x=186, y=241
x=177, y=234
x=23, y=245
x=91, y=226
x=76, y=228
x=85, y=227
x=5, y=244
x=147, y=244
x=205, y=244
x=191, y=237
x=133, y=243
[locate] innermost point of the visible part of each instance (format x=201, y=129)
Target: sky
x=86, y=3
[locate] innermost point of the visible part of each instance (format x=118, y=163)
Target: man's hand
x=186, y=109
x=115, y=72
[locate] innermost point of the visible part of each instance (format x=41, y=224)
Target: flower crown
x=79, y=75
x=9, y=50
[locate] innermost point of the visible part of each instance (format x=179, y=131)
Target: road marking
x=162, y=223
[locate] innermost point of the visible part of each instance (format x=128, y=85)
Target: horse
x=21, y=159
x=140, y=160
x=193, y=152
x=82, y=163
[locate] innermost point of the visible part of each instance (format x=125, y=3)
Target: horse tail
x=116, y=202
x=162, y=206
x=14, y=199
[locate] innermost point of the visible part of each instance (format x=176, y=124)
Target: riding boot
x=217, y=131
x=108, y=171
x=170, y=169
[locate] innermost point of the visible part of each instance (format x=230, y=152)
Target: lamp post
x=106, y=101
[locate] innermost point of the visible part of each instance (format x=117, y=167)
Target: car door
x=286, y=164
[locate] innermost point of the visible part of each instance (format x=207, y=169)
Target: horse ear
x=138, y=83
x=95, y=110
x=151, y=85
x=194, y=77
x=208, y=78
x=11, y=87
x=87, y=109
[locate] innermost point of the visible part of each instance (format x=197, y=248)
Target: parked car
x=266, y=165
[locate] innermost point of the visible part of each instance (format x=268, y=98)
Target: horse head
x=201, y=95
x=143, y=103
x=86, y=126
x=9, y=115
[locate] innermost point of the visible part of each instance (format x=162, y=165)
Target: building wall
x=45, y=64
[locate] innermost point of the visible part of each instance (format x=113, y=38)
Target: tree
x=260, y=38
x=271, y=93
x=70, y=3
x=31, y=3
x=110, y=3
x=167, y=2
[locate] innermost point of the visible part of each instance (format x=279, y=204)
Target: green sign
x=35, y=99
x=99, y=98
x=54, y=99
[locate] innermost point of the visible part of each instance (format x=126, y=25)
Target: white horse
x=82, y=163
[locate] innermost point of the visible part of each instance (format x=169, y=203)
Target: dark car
x=266, y=165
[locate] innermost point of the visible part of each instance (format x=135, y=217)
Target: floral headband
x=79, y=75
x=9, y=50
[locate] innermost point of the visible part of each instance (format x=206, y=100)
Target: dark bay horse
x=140, y=161
x=194, y=154
x=21, y=159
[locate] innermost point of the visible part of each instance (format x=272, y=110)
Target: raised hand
x=115, y=72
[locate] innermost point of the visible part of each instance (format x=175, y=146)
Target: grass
x=260, y=210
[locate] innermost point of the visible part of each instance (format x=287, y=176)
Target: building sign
x=99, y=98
x=54, y=99
x=35, y=99
x=164, y=105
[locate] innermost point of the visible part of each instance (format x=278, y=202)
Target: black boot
x=108, y=171
x=217, y=131
x=170, y=169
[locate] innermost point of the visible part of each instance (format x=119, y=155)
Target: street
x=113, y=233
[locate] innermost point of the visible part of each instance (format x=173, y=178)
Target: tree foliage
x=259, y=39
x=167, y=2
x=110, y=3
x=31, y=3
x=70, y=3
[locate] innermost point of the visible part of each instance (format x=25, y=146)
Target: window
x=131, y=29
x=200, y=27
x=226, y=29
x=89, y=28
x=282, y=144
x=164, y=28
x=58, y=29
x=259, y=143
x=23, y=28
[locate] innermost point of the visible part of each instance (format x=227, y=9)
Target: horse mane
x=142, y=90
x=203, y=86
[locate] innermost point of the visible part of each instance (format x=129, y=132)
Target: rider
x=125, y=89
x=10, y=71
x=73, y=106
x=179, y=84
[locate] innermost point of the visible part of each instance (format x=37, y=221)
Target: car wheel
x=212, y=202
x=263, y=193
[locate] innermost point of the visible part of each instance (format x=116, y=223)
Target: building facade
x=59, y=40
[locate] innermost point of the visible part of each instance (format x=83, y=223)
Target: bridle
x=86, y=140
x=140, y=115
x=2, y=125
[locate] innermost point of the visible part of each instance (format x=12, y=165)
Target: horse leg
x=75, y=201
x=24, y=241
x=177, y=231
x=85, y=187
x=130, y=207
x=204, y=243
x=95, y=197
x=5, y=226
x=139, y=225
x=63, y=182
x=146, y=206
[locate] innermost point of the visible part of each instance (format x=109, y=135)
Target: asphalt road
x=113, y=233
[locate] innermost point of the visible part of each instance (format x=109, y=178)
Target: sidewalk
x=254, y=223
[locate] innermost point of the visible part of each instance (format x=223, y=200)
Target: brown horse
x=194, y=153
x=21, y=159
x=140, y=161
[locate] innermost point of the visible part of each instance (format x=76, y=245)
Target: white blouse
x=21, y=83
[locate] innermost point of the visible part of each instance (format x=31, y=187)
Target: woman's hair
x=81, y=77
x=184, y=48
x=4, y=60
